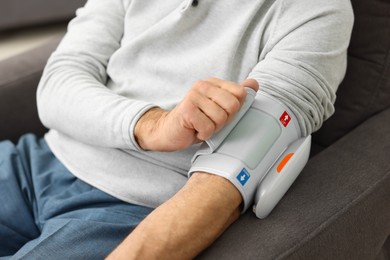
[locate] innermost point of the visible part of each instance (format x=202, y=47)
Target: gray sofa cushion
x=18, y=13
x=365, y=90
x=19, y=77
x=339, y=208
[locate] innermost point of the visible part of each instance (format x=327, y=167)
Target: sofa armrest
x=19, y=78
x=21, y=13
x=339, y=207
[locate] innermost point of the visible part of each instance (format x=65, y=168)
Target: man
x=132, y=90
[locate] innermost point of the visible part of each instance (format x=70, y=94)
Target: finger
x=250, y=83
x=214, y=111
x=203, y=125
x=224, y=102
x=236, y=89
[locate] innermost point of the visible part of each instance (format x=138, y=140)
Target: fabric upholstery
x=18, y=13
x=365, y=90
x=339, y=208
x=19, y=77
x=384, y=254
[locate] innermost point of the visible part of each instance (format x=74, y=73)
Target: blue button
x=243, y=176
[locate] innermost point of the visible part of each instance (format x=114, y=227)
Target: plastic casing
x=273, y=187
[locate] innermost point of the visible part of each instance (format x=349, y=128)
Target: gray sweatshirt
x=119, y=58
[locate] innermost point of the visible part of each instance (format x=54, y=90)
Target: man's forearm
x=187, y=223
x=192, y=219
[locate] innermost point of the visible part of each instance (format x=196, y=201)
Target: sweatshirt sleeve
x=304, y=60
x=72, y=96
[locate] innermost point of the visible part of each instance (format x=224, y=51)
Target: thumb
x=250, y=83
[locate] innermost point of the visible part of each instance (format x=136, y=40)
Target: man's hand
x=206, y=108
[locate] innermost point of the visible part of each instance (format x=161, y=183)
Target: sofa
x=339, y=207
x=17, y=14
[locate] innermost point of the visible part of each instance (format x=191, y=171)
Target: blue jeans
x=47, y=213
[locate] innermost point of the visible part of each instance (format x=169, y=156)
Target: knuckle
x=201, y=85
x=212, y=79
x=208, y=130
x=201, y=137
x=241, y=93
x=234, y=106
x=191, y=96
x=187, y=114
x=221, y=119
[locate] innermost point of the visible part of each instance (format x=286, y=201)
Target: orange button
x=284, y=162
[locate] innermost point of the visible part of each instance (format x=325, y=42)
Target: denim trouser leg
x=47, y=213
x=17, y=224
